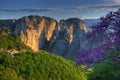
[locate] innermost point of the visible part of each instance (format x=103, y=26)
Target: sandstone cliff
x=68, y=38
x=34, y=31
x=63, y=38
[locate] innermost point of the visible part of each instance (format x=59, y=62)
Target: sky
x=58, y=9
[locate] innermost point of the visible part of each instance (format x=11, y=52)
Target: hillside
x=18, y=62
x=38, y=66
x=10, y=43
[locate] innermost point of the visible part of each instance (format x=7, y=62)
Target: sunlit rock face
x=63, y=38
x=34, y=31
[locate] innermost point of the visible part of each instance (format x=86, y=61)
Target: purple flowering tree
x=108, y=29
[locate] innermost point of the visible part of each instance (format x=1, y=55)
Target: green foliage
x=104, y=71
x=5, y=31
x=8, y=74
x=8, y=42
x=108, y=69
x=40, y=66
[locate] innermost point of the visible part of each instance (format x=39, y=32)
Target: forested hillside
x=38, y=66
x=19, y=62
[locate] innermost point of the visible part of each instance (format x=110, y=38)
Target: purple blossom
x=108, y=29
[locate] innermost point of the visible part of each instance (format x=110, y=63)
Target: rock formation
x=35, y=30
x=69, y=37
x=62, y=38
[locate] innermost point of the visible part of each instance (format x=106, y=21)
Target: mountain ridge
x=62, y=38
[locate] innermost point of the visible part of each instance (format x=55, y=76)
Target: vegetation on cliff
x=38, y=66
x=10, y=42
x=28, y=65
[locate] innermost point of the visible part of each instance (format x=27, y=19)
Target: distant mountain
x=90, y=22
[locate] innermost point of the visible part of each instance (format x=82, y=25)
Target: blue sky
x=58, y=9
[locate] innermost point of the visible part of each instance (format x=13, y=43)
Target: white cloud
x=86, y=17
x=32, y=10
x=99, y=7
x=116, y=1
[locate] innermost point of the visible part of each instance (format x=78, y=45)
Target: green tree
x=5, y=31
x=8, y=74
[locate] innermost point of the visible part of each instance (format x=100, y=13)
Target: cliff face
x=35, y=30
x=62, y=38
x=68, y=38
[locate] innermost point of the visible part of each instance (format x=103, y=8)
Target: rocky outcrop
x=8, y=23
x=69, y=37
x=63, y=38
x=35, y=30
